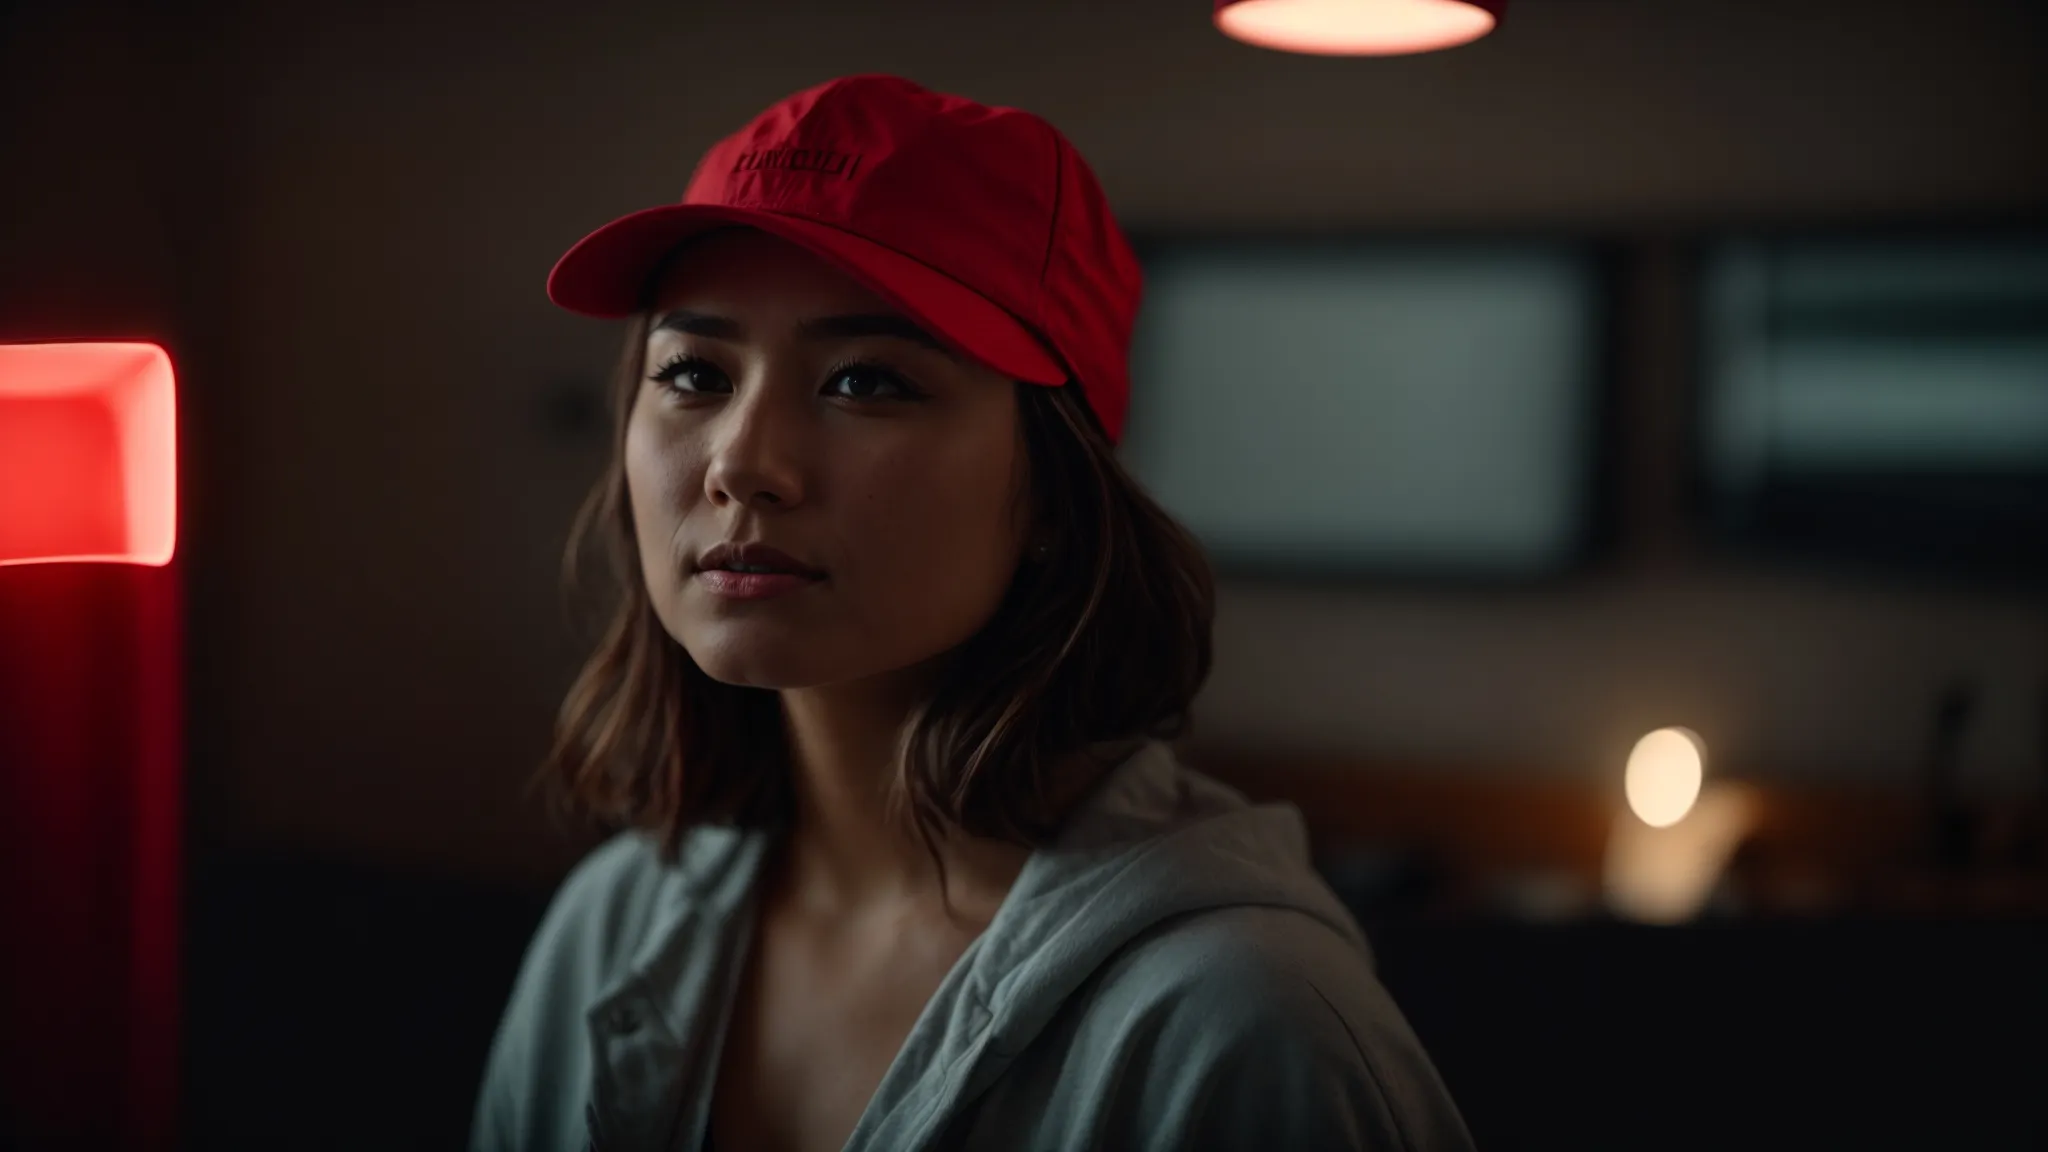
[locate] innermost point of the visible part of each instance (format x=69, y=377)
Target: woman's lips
x=754, y=556
x=753, y=585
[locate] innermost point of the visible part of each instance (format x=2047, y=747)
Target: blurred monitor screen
x=1880, y=400
x=1419, y=409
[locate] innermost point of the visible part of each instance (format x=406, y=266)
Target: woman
x=903, y=862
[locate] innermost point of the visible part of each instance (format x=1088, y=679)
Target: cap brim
x=606, y=272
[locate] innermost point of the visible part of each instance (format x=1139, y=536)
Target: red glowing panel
x=88, y=454
x=1357, y=27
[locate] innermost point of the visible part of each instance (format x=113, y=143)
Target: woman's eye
x=690, y=375
x=869, y=382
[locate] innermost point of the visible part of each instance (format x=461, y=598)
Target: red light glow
x=1357, y=27
x=88, y=454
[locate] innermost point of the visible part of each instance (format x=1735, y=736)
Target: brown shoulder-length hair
x=1103, y=640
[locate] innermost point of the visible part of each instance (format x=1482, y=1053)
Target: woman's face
x=783, y=404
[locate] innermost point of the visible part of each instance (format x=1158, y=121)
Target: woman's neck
x=846, y=850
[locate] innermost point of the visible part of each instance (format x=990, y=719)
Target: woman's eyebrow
x=846, y=327
x=879, y=324
x=697, y=324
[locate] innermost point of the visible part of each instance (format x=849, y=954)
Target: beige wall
x=369, y=197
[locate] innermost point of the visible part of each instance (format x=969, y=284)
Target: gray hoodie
x=1171, y=974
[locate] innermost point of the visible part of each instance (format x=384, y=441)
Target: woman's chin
x=757, y=661
x=757, y=671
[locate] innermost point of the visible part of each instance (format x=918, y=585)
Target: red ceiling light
x=88, y=454
x=1358, y=27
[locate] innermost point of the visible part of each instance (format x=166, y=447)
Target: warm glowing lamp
x=88, y=453
x=1663, y=776
x=1358, y=27
x=1667, y=852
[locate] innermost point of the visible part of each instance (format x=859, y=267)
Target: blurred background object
x=1358, y=27
x=88, y=454
x=1633, y=367
x=91, y=744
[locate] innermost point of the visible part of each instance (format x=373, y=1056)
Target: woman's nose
x=757, y=454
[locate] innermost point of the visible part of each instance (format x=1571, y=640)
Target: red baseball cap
x=981, y=223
